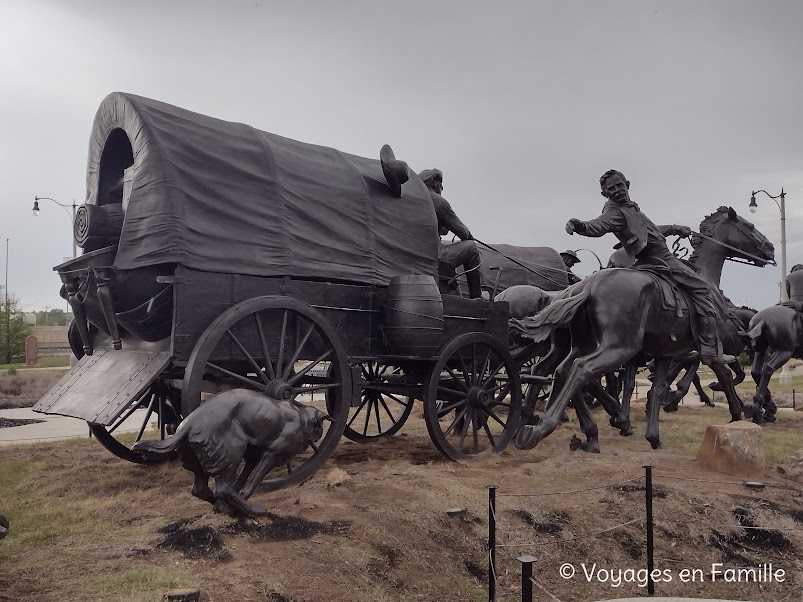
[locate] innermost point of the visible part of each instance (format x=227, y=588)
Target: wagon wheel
x=466, y=404
x=308, y=359
x=158, y=399
x=379, y=412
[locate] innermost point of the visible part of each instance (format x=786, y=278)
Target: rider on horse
x=647, y=243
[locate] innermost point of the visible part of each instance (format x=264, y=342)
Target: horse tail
x=159, y=449
x=559, y=313
x=756, y=331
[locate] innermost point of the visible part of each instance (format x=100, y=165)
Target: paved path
x=55, y=427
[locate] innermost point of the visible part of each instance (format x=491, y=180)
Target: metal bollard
x=492, y=543
x=526, y=577
x=650, y=559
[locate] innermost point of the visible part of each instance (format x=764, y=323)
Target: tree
x=54, y=317
x=13, y=331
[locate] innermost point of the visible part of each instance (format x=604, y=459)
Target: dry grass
x=24, y=388
x=86, y=526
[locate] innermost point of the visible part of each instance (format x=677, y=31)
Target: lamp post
x=36, y=200
x=782, y=207
x=8, y=313
x=786, y=375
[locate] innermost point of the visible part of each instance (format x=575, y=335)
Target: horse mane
x=707, y=225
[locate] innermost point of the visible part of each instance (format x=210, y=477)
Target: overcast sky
x=523, y=105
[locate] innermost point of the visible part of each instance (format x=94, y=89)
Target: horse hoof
x=655, y=442
x=710, y=403
x=671, y=407
x=626, y=432
x=529, y=436
x=748, y=411
x=769, y=419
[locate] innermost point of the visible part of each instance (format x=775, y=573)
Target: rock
x=457, y=512
x=792, y=467
x=336, y=477
x=736, y=448
x=183, y=595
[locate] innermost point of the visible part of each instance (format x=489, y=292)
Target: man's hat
x=571, y=254
x=396, y=172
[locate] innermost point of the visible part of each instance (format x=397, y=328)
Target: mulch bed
x=9, y=422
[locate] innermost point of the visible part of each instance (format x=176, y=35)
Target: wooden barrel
x=413, y=316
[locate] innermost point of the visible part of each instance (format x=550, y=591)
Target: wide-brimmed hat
x=396, y=172
x=571, y=254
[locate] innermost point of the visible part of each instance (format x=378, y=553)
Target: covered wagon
x=219, y=256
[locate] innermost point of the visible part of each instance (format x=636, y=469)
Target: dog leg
x=200, y=487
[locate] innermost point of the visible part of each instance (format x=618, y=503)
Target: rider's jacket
x=794, y=286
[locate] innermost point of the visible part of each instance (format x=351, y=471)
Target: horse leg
x=607, y=356
x=613, y=408
x=735, y=405
x=778, y=359
x=701, y=392
x=561, y=346
x=738, y=371
x=660, y=386
x=628, y=384
x=673, y=398
x=587, y=425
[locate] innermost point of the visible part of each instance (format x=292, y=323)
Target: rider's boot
x=710, y=348
x=474, y=284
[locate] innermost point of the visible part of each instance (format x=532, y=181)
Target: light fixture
x=36, y=208
x=753, y=206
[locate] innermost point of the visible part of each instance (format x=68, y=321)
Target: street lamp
x=782, y=207
x=36, y=200
x=786, y=374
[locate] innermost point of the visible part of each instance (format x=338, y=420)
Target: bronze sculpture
x=570, y=259
x=780, y=329
x=463, y=253
x=647, y=243
x=618, y=314
x=233, y=426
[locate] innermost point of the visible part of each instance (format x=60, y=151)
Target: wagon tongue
x=101, y=386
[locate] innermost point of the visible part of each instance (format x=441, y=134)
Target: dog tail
x=159, y=450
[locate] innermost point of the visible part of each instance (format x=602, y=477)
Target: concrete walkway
x=55, y=427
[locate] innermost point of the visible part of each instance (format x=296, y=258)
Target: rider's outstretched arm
x=611, y=220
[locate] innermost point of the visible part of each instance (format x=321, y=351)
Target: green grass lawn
x=51, y=361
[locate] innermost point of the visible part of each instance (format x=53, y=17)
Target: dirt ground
x=87, y=526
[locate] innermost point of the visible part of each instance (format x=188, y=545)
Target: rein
x=727, y=246
x=537, y=273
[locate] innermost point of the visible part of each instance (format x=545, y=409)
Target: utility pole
x=8, y=315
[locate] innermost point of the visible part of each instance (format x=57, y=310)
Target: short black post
x=794, y=403
x=526, y=577
x=492, y=543
x=650, y=560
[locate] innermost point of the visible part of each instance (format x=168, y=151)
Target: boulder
x=736, y=449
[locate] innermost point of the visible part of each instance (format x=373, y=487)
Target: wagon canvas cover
x=220, y=196
x=546, y=268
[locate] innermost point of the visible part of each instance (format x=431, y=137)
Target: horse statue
x=778, y=329
x=616, y=315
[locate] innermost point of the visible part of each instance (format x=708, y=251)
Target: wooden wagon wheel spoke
x=313, y=446
x=257, y=368
x=489, y=434
x=279, y=332
x=387, y=411
x=494, y=416
x=301, y=373
x=367, y=418
x=474, y=428
x=449, y=414
x=263, y=345
x=297, y=353
x=461, y=414
x=147, y=417
x=153, y=401
x=243, y=379
x=280, y=356
x=466, y=374
x=457, y=380
x=464, y=430
x=127, y=414
x=359, y=409
x=449, y=407
x=378, y=379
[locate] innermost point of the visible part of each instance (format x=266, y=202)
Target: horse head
x=742, y=238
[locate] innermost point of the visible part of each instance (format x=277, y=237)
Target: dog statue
x=233, y=426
